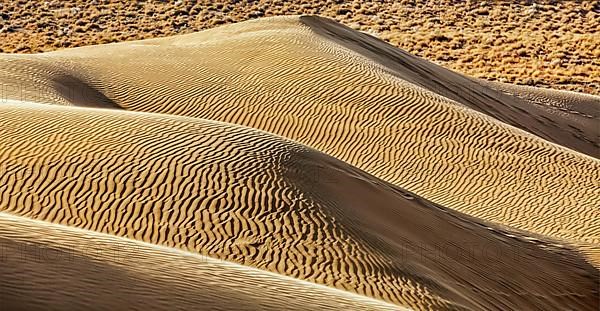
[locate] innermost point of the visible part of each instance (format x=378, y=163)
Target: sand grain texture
x=411, y=123
x=67, y=268
x=389, y=177
x=245, y=196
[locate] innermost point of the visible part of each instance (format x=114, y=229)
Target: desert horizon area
x=299, y=155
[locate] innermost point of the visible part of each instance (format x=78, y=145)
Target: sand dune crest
x=390, y=180
x=52, y=267
x=291, y=77
x=246, y=196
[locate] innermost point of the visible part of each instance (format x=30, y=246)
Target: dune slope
x=52, y=267
x=249, y=197
x=397, y=117
x=582, y=109
x=472, y=93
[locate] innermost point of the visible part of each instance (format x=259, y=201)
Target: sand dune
x=512, y=110
x=582, y=109
x=550, y=43
x=246, y=196
x=391, y=182
x=443, y=136
x=70, y=78
x=52, y=267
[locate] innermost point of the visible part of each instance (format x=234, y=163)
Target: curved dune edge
x=280, y=76
x=573, y=103
x=249, y=197
x=473, y=93
x=37, y=80
x=583, y=110
x=52, y=267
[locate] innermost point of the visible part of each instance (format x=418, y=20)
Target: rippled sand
x=390, y=180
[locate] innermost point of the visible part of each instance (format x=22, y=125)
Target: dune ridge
x=284, y=77
x=389, y=178
x=522, y=42
x=578, y=105
x=502, y=106
x=246, y=196
x=69, y=268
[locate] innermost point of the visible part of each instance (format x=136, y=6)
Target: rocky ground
x=542, y=43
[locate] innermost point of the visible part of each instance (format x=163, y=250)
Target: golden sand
x=68, y=269
x=390, y=177
x=252, y=198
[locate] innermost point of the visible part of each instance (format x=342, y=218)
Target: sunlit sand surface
x=299, y=155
